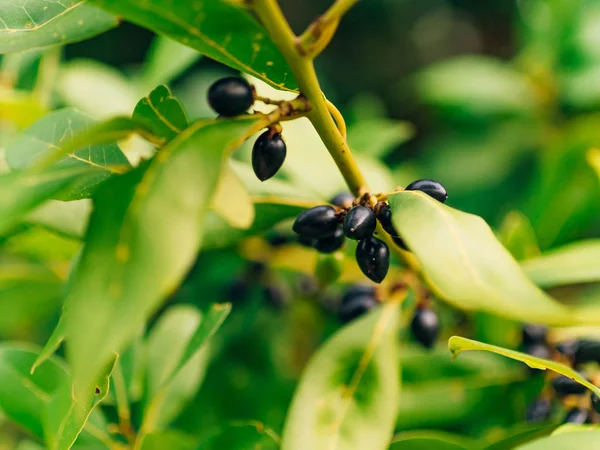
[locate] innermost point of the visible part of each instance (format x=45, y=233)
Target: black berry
x=538, y=350
x=587, y=351
x=385, y=219
x=268, y=154
x=400, y=243
x=432, y=188
x=277, y=240
x=568, y=348
x=373, y=258
x=567, y=386
x=306, y=241
x=577, y=415
x=343, y=200
x=230, y=96
x=534, y=334
x=317, y=222
x=358, y=290
x=237, y=291
x=331, y=243
x=359, y=223
x=539, y=410
x=595, y=402
x=425, y=326
x=356, y=308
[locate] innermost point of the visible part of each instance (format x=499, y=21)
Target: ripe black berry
x=534, y=334
x=343, y=200
x=587, y=351
x=567, y=386
x=577, y=415
x=230, y=96
x=400, y=243
x=268, y=154
x=237, y=290
x=373, y=258
x=568, y=348
x=539, y=410
x=595, y=402
x=317, y=222
x=331, y=243
x=356, y=307
x=358, y=290
x=359, y=223
x=432, y=188
x=385, y=219
x=425, y=326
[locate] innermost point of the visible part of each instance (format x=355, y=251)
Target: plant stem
x=303, y=69
x=123, y=410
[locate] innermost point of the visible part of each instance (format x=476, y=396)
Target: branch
x=319, y=33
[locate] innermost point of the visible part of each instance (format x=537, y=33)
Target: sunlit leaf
x=575, y=439
x=162, y=113
x=232, y=201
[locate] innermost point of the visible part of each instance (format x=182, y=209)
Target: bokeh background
x=496, y=99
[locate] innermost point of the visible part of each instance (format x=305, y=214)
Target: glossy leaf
x=23, y=397
x=575, y=439
x=574, y=263
x=349, y=394
x=122, y=278
x=431, y=440
x=242, y=436
x=50, y=134
x=489, y=278
x=67, y=412
x=40, y=23
x=219, y=29
x=232, y=201
x=458, y=344
x=162, y=113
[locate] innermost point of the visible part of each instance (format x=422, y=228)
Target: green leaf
x=574, y=263
x=476, y=86
x=169, y=389
x=577, y=439
x=65, y=218
x=242, y=436
x=166, y=60
x=219, y=29
x=50, y=134
x=487, y=277
x=68, y=411
x=143, y=236
x=378, y=137
x=458, y=344
x=349, y=394
x=171, y=440
x=23, y=397
x=40, y=23
x=518, y=236
x=21, y=108
x=431, y=440
x=161, y=113
x=232, y=201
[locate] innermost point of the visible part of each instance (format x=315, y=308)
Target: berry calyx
x=268, y=154
x=359, y=223
x=534, y=334
x=539, y=410
x=343, y=200
x=567, y=386
x=331, y=243
x=373, y=258
x=317, y=222
x=577, y=415
x=425, y=326
x=230, y=96
x=430, y=187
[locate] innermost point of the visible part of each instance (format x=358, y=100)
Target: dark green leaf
x=574, y=263
x=458, y=344
x=143, y=236
x=349, y=394
x=489, y=278
x=219, y=29
x=68, y=411
x=242, y=436
x=54, y=134
x=162, y=113
x=171, y=440
x=23, y=396
x=40, y=23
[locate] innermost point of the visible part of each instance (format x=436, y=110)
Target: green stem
x=303, y=69
x=123, y=410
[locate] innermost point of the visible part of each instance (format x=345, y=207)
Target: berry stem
x=303, y=69
x=339, y=119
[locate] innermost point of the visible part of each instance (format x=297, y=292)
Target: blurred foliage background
x=499, y=100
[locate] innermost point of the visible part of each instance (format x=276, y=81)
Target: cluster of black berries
x=574, y=353
x=256, y=274
x=324, y=227
x=361, y=298
x=233, y=96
